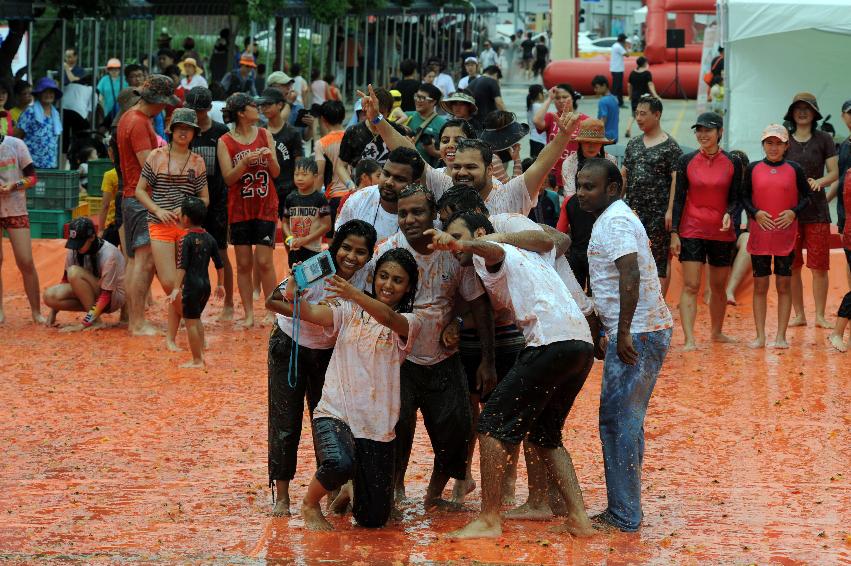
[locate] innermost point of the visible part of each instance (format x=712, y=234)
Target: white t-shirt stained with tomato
x=362, y=382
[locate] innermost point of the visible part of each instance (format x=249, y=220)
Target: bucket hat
x=592, y=130
x=458, y=97
x=185, y=116
x=247, y=60
x=46, y=83
x=158, y=89
x=809, y=99
x=506, y=136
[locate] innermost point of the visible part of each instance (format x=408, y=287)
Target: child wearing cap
x=192, y=285
x=93, y=280
x=774, y=191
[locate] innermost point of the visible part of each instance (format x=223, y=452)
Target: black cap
x=199, y=98
x=709, y=120
x=846, y=106
x=79, y=231
x=271, y=96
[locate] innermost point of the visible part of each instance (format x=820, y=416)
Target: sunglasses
x=421, y=98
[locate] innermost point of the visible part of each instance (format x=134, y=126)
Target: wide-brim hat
x=592, y=130
x=190, y=61
x=248, y=60
x=809, y=99
x=46, y=83
x=505, y=137
x=158, y=89
x=185, y=116
x=458, y=97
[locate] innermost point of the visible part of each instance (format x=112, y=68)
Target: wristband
x=375, y=121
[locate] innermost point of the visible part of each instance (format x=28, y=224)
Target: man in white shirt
x=432, y=378
x=441, y=80
x=537, y=394
x=488, y=56
x=377, y=205
x=616, y=67
x=628, y=299
x=471, y=65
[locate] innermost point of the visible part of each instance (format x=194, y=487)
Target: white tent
x=776, y=48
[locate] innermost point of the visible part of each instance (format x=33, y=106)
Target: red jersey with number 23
x=253, y=196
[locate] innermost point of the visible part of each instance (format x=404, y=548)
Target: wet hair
x=526, y=163
x=653, y=103
x=473, y=221
x=641, y=61
x=366, y=167
x=194, y=209
x=385, y=100
x=333, y=111
x=484, y=149
x=408, y=66
x=404, y=259
x=465, y=126
x=353, y=228
x=493, y=70
x=498, y=119
x=165, y=51
x=329, y=78
x=409, y=157
x=460, y=198
x=613, y=174
x=306, y=164
x=572, y=91
x=419, y=189
x=534, y=92
x=432, y=91
x=132, y=68
x=742, y=156
x=600, y=80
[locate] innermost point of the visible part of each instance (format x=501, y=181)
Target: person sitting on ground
x=774, y=192
x=353, y=424
x=93, y=279
x=192, y=284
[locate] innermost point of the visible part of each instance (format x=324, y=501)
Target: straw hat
x=458, y=97
x=190, y=61
x=592, y=130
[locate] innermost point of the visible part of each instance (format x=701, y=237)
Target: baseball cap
x=80, y=230
x=846, y=106
x=471, y=60
x=709, y=120
x=775, y=131
x=271, y=96
x=278, y=78
x=113, y=63
x=199, y=98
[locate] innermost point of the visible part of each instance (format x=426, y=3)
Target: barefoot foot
x=462, y=489
x=194, y=364
x=758, y=343
x=529, y=512
x=438, y=504
x=581, y=528
x=601, y=523
x=723, y=339
x=731, y=300
x=248, y=321
x=39, y=318
x=281, y=508
x=145, y=329
x=836, y=342
x=172, y=346
x=314, y=520
x=821, y=322
x=690, y=346
x=480, y=528
x=341, y=503
x=780, y=343
x=798, y=321
x=226, y=314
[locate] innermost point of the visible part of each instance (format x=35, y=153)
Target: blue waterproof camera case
x=313, y=270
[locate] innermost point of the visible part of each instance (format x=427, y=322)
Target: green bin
x=97, y=169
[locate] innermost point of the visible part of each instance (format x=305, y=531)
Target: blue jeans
x=623, y=404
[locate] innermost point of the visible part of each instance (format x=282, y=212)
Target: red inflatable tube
x=579, y=72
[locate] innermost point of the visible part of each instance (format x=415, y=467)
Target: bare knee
x=52, y=296
x=691, y=287
x=784, y=285
x=760, y=285
x=75, y=272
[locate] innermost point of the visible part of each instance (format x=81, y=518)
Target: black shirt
x=541, y=52
x=528, y=45
x=359, y=143
x=639, y=82
x=204, y=144
x=581, y=223
x=196, y=250
x=408, y=88
x=485, y=90
x=288, y=147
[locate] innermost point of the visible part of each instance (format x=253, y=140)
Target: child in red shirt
x=774, y=191
x=845, y=308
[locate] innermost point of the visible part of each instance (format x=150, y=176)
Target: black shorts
x=782, y=265
x=119, y=216
x=301, y=254
x=719, y=254
x=253, y=233
x=195, y=298
x=507, y=346
x=537, y=394
x=216, y=224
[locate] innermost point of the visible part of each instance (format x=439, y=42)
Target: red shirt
x=135, y=133
x=250, y=198
x=846, y=200
x=773, y=188
x=707, y=188
x=551, y=121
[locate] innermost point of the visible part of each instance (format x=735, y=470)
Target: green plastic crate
x=48, y=223
x=97, y=169
x=55, y=190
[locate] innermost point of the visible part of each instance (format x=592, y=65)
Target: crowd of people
x=470, y=285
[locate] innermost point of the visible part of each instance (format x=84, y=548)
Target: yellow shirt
x=110, y=186
x=16, y=113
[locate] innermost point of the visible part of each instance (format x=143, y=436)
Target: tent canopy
x=775, y=49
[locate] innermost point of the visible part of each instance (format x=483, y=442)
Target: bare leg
x=495, y=458
x=537, y=507
x=266, y=264
x=282, y=499
x=195, y=332
x=2, y=314
x=165, y=263
x=244, y=269
x=821, y=280
x=797, y=297
x=62, y=298
x=838, y=334
x=717, y=302
x=760, y=304
x=688, y=301
x=227, y=309
x=509, y=480
x=84, y=286
x=741, y=267
x=256, y=279
x=343, y=499
x=464, y=487
x=311, y=510
x=143, y=275
x=560, y=467
x=23, y=252
x=784, y=308
x=173, y=325
x=434, y=493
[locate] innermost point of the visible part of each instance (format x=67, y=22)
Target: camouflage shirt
x=648, y=178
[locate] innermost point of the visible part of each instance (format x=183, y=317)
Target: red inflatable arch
x=579, y=72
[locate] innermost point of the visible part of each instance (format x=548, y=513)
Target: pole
x=94, y=73
x=345, y=57
x=367, y=63
x=151, y=45
x=61, y=103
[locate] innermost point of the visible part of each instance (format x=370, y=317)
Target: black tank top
x=581, y=223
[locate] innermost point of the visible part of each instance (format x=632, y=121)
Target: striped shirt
x=170, y=184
